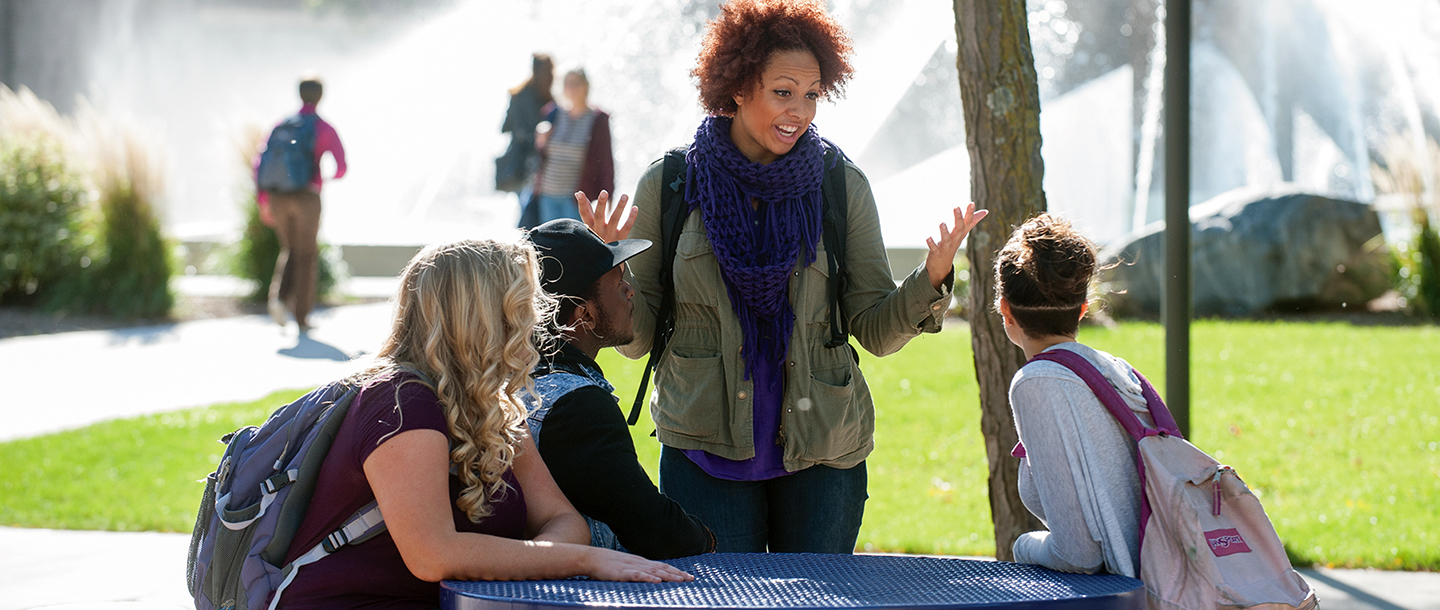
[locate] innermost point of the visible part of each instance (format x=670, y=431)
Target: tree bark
x=1001, y=100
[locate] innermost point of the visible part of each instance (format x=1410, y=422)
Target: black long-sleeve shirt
x=587, y=447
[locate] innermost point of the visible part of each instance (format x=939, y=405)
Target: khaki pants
x=297, y=224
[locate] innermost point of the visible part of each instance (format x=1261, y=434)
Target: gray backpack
x=256, y=499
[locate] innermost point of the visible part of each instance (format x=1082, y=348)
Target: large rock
x=1257, y=252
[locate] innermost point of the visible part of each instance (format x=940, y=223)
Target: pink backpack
x=1205, y=541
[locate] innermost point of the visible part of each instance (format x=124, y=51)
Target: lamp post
x=1176, y=306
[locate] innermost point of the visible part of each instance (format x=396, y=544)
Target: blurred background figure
x=516, y=167
x=288, y=180
x=575, y=152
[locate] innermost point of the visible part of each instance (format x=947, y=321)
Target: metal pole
x=1177, y=211
x=7, y=44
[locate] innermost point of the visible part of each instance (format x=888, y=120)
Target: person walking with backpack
x=575, y=153
x=288, y=182
x=763, y=413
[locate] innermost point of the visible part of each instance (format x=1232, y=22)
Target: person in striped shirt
x=575, y=152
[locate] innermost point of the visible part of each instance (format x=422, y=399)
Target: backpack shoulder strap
x=365, y=524
x=673, y=212
x=1158, y=411
x=833, y=230
x=1110, y=397
x=305, y=477
x=308, y=131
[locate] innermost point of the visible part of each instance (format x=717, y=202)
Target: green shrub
x=42, y=210
x=133, y=278
x=130, y=277
x=1416, y=267
x=57, y=250
x=254, y=257
x=1405, y=170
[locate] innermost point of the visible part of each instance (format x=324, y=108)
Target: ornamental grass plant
x=43, y=201
x=42, y=211
x=1410, y=172
x=79, y=224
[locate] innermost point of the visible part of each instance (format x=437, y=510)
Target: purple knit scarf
x=721, y=182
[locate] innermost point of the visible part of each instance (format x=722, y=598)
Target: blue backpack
x=289, y=156
x=256, y=499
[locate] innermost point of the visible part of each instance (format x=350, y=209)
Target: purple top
x=372, y=574
x=768, y=394
x=768, y=461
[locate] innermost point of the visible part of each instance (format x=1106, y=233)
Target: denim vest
x=552, y=383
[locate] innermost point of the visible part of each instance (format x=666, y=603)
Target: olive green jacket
x=701, y=398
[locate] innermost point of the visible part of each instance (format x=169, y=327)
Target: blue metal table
x=802, y=581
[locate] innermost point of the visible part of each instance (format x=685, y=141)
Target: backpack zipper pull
x=1216, y=485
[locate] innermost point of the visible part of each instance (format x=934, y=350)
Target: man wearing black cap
x=578, y=424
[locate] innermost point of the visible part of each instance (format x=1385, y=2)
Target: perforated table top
x=802, y=581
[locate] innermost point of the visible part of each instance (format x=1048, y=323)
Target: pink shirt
x=326, y=140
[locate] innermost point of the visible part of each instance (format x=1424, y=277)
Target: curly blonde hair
x=467, y=316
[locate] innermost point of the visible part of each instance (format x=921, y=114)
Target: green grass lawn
x=1336, y=427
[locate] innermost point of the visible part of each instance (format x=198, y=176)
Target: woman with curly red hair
x=765, y=428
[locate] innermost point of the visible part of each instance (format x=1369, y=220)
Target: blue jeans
x=552, y=207
x=816, y=510
x=602, y=536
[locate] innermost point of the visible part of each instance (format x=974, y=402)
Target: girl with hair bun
x=765, y=428
x=1077, y=466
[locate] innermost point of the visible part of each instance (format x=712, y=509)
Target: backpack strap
x=1110, y=397
x=308, y=129
x=833, y=230
x=673, y=212
x=365, y=524
x=305, y=477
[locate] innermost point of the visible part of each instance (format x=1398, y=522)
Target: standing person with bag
x=575, y=153
x=288, y=181
x=515, y=168
x=1102, y=463
x=763, y=413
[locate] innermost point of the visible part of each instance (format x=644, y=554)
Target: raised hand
x=940, y=261
x=610, y=223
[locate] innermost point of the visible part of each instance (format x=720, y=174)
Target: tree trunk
x=1001, y=100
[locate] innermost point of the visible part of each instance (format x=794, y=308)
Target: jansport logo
x=1226, y=542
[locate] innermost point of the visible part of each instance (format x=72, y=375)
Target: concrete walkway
x=79, y=378
x=69, y=380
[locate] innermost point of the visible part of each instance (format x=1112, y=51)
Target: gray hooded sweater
x=1079, y=475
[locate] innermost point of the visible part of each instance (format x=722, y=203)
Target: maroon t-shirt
x=372, y=575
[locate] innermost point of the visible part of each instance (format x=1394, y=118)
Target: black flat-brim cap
x=572, y=257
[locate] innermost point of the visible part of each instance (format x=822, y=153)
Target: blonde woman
x=447, y=456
